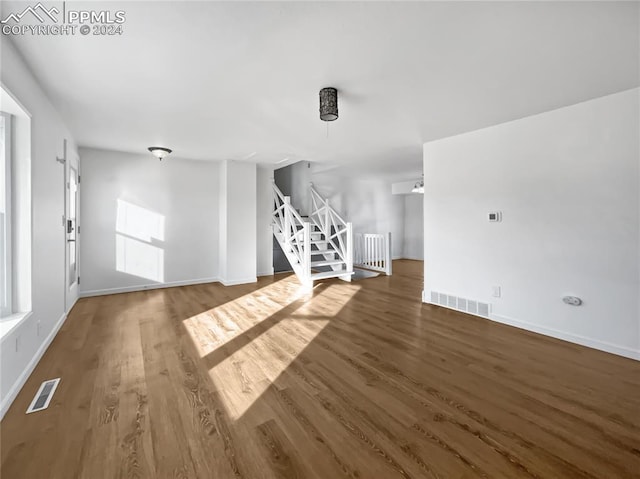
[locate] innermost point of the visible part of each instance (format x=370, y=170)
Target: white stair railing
x=294, y=235
x=373, y=251
x=336, y=230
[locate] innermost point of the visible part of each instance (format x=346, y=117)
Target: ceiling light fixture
x=418, y=187
x=159, y=151
x=328, y=104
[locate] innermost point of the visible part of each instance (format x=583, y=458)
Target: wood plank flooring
x=352, y=380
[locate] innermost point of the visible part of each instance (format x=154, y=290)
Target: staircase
x=317, y=247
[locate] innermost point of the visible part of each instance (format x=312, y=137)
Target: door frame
x=71, y=291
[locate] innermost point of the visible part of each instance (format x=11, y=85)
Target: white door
x=71, y=228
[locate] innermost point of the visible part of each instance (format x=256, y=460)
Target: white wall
x=404, y=187
x=167, y=232
x=264, y=231
x=48, y=256
x=413, y=240
x=367, y=203
x=238, y=213
x=567, y=183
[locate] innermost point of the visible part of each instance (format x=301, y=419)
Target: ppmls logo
x=40, y=20
x=34, y=11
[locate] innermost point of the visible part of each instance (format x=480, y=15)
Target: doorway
x=72, y=228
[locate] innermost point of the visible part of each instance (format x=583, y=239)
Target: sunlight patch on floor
x=249, y=342
x=211, y=329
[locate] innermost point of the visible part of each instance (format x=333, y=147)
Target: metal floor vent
x=461, y=304
x=43, y=396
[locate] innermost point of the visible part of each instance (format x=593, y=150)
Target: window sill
x=10, y=323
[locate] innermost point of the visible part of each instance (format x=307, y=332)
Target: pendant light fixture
x=328, y=104
x=159, y=152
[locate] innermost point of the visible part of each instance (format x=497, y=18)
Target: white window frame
x=5, y=228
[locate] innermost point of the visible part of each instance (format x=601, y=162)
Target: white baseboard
x=411, y=258
x=233, y=282
x=570, y=337
x=266, y=273
x=22, y=379
x=74, y=303
x=145, y=287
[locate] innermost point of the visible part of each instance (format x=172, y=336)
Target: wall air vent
x=461, y=304
x=43, y=396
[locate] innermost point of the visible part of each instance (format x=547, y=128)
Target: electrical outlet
x=496, y=291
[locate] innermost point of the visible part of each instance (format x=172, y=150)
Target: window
x=15, y=213
x=5, y=215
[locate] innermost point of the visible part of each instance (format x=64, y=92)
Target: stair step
x=317, y=242
x=323, y=252
x=329, y=262
x=329, y=274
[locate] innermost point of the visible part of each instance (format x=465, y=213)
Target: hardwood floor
x=354, y=380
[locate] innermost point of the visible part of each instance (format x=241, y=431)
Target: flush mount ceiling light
x=159, y=151
x=418, y=187
x=328, y=104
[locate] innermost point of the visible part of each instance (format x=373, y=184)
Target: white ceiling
x=217, y=80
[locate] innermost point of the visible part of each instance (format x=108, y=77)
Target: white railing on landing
x=373, y=251
x=336, y=230
x=295, y=233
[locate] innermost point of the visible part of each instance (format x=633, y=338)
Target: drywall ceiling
x=217, y=80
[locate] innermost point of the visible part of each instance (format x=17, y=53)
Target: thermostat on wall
x=495, y=216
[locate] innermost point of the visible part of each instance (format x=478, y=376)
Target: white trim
x=8, y=324
x=145, y=287
x=570, y=337
x=234, y=282
x=266, y=273
x=74, y=303
x=6, y=262
x=410, y=258
x=22, y=379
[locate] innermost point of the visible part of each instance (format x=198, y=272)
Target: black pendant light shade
x=328, y=104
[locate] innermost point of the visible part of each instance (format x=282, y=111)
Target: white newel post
x=349, y=247
x=327, y=223
x=287, y=224
x=307, y=251
x=388, y=259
